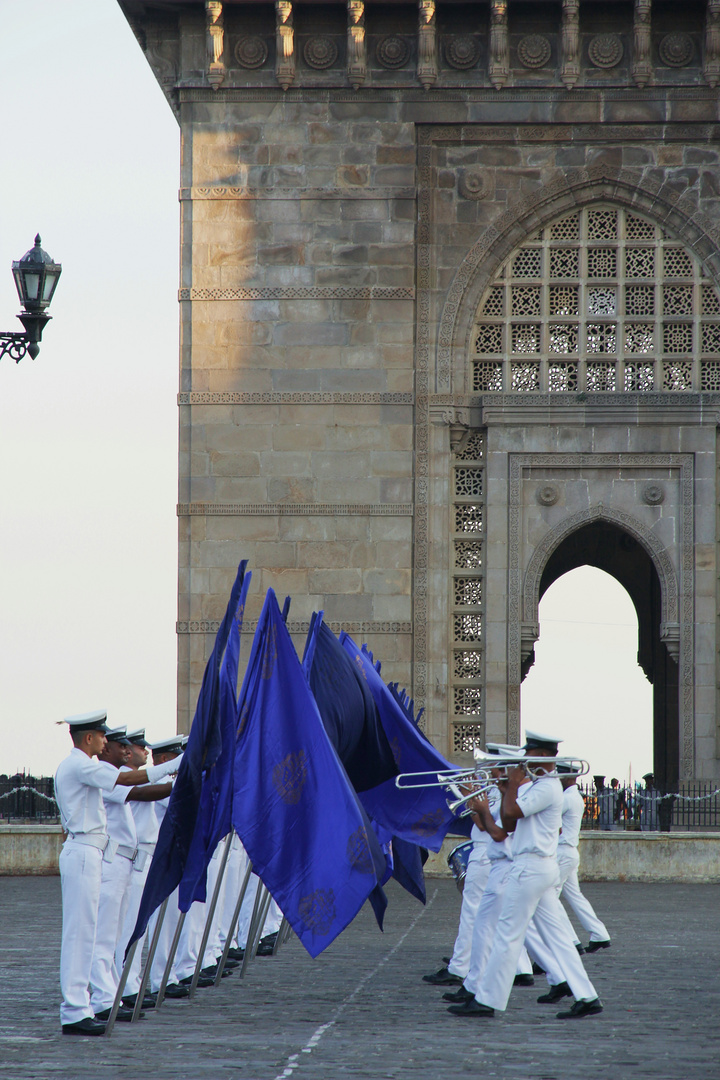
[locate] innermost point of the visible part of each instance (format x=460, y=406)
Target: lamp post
x=36, y=277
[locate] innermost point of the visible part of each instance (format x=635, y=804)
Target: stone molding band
x=197, y=397
x=216, y=193
x=211, y=626
x=301, y=292
x=295, y=509
x=337, y=95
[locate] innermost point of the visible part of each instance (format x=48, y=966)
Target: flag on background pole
x=293, y=807
x=204, y=747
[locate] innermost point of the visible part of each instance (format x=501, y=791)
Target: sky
x=88, y=431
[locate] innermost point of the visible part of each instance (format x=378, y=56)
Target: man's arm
x=149, y=775
x=510, y=812
x=484, y=819
x=150, y=792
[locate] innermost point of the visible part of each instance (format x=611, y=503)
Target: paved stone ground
x=361, y=1010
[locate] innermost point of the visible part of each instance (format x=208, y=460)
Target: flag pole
x=210, y=915
x=233, y=923
x=256, y=928
x=119, y=992
x=171, y=957
x=259, y=897
x=145, y=978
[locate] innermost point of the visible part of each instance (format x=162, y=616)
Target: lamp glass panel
x=51, y=280
x=32, y=284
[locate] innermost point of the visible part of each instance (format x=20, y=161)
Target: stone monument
x=450, y=327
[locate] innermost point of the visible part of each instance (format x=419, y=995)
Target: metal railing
x=28, y=799
x=694, y=807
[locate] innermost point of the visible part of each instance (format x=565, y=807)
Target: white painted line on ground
x=295, y=1060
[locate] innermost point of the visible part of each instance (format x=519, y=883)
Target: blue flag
x=418, y=815
x=203, y=750
x=215, y=813
x=293, y=808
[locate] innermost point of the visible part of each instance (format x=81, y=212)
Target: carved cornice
x=466, y=95
x=220, y=191
x=300, y=626
x=201, y=397
x=301, y=292
x=294, y=509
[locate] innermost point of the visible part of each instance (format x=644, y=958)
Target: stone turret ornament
x=284, y=44
x=427, y=44
x=215, y=35
x=711, y=62
x=356, y=55
x=641, y=68
x=570, y=43
x=499, y=66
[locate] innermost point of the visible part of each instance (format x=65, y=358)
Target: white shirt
x=120, y=822
x=572, y=814
x=536, y=833
x=146, y=822
x=79, y=783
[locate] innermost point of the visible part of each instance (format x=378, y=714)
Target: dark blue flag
x=215, y=814
x=293, y=808
x=418, y=815
x=204, y=747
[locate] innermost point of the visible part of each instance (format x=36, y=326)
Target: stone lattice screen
x=601, y=300
x=468, y=594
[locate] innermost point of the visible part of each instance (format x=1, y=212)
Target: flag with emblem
x=293, y=807
x=204, y=751
x=418, y=815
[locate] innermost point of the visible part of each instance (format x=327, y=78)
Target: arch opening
x=606, y=547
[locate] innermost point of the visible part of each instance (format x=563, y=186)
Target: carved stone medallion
x=473, y=184
x=462, y=52
x=251, y=52
x=534, y=51
x=605, y=50
x=393, y=52
x=320, y=53
x=653, y=494
x=547, y=495
x=676, y=50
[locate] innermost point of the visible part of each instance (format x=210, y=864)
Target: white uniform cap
x=534, y=740
x=175, y=745
x=88, y=721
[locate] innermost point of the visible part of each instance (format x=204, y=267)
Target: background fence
x=696, y=807
x=29, y=799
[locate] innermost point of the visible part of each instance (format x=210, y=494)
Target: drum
x=458, y=862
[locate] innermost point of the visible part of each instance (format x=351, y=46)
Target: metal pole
x=171, y=957
x=253, y=926
x=280, y=939
x=210, y=914
x=119, y=992
x=233, y=923
x=151, y=953
x=251, y=952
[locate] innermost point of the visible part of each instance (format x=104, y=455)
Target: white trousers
x=488, y=913
x=568, y=862
x=137, y=884
x=530, y=892
x=234, y=877
x=476, y=876
x=194, y=926
x=272, y=921
x=80, y=878
x=114, y=897
x=538, y=950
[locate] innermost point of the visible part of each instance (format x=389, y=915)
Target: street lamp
x=36, y=277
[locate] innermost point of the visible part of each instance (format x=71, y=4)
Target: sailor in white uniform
x=568, y=858
x=79, y=785
x=533, y=810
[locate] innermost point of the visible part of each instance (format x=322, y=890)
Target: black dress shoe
x=269, y=939
x=265, y=949
x=211, y=971
x=442, y=978
x=555, y=993
x=124, y=1016
x=580, y=949
x=471, y=1008
x=229, y=965
x=446, y=960
x=458, y=996
x=88, y=1026
x=537, y=970
x=523, y=980
x=595, y=946
x=148, y=1001
x=174, y=990
x=581, y=1008
x=236, y=954
x=203, y=981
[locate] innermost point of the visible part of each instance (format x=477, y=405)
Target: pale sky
x=88, y=431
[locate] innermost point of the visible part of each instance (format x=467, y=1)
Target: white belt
x=149, y=847
x=127, y=852
x=96, y=840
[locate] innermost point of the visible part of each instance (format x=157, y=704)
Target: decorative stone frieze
x=605, y=50
x=534, y=51
x=251, y=52
x=320, y=53
x=392, y=52
x=676, y=50
x=461, y=52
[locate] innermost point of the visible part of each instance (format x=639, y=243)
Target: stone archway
x=609, y=546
